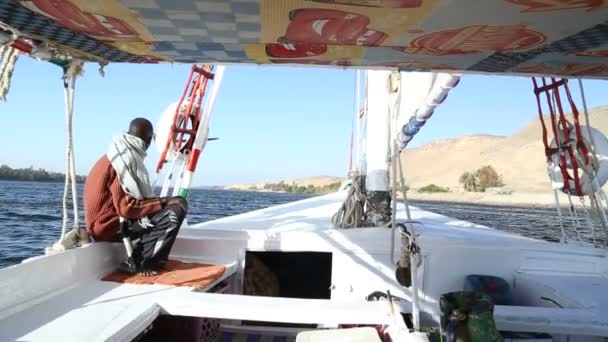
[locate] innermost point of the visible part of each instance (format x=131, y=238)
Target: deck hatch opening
x=305, y=275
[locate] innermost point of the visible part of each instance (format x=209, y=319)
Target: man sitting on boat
x=118, y=186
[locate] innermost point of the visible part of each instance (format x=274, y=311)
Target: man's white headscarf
x=127, y=153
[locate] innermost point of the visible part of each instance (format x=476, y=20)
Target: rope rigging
x=69, y=84
x=8, y=60
x=571, y=153
x=75, y=236
x=352, y=212
x=187, y=115
x=184, y=128
x=567, y=149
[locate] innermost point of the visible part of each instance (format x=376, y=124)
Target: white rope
x=394, y=108
x=395, y=155
x=601, y=198
x=596, y=207
x=596, y=199
x=588, y=219
x=408, y=214
x=66, y=191
x=8, y=60
x=564, y=238
x=572, y=209
x=399, y=186
x=412, y=255
x=70, y=185
x=587, y=122
x=76, y=221
x=574, y=218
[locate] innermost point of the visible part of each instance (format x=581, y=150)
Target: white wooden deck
x=107, y=311
x=60, y=297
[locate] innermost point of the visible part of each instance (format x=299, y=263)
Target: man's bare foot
x=147, y=272
x=129, y=266
x=157, y=265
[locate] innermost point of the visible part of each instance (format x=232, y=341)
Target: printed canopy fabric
x=556, y=37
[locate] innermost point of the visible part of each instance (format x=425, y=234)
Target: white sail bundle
x=420, y=94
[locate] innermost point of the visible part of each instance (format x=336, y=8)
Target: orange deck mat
x=175, y=273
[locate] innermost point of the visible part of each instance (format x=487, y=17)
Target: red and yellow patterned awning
x=556, y=37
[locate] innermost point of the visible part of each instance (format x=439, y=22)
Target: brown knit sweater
x=105, y=201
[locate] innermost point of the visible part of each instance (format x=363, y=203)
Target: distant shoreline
x=533, y=200
x=37, y=180
x=515, y=199
x=31, y=174
x=269, y=191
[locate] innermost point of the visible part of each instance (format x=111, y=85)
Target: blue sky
x=272, y=122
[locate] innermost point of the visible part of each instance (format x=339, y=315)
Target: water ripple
x=30, y=215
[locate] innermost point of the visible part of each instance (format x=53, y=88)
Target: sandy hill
x=518, y=158
x=314, y=181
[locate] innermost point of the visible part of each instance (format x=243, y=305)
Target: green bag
x=469, y=317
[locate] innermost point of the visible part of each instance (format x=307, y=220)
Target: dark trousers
x=153, y=244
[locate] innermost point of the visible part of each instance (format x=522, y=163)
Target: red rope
x=180, y=129
x=580, y=144
x=555, y=128
x=184, y=129
x=197, y=120
x=542, y=120
x=566, y=131
x=558, y=118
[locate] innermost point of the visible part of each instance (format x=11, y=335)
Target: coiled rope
x=351, y=213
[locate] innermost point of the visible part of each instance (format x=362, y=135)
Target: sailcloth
x=420, y=94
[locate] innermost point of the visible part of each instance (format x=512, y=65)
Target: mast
x=396, y=106
x=362, y=137
x=377, y=149
x=357, y=121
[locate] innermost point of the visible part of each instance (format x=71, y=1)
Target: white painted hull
x=60, y=297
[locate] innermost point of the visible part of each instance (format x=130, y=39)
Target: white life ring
x=163, y=127
x=589, y=184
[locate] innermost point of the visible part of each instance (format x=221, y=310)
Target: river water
x=30, y=214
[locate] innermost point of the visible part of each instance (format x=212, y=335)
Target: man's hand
x=175, y=201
